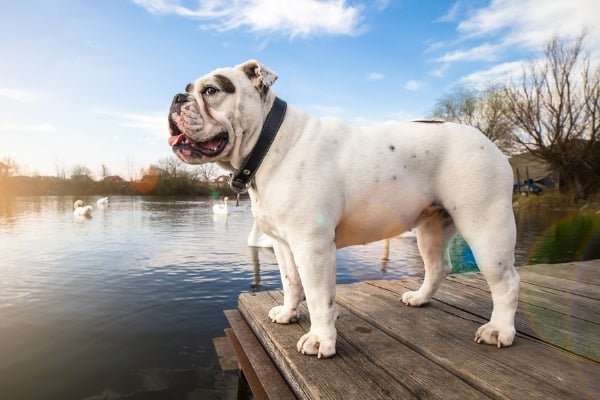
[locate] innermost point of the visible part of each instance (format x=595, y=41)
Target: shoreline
x=557, y=202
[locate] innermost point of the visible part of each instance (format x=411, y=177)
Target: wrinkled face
x=200, y=128
x=217, y=110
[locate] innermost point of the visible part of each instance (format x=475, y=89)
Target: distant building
x=530, y=169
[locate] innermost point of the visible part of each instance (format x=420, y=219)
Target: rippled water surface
x=126, y=304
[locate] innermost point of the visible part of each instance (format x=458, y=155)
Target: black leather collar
x=240, y=181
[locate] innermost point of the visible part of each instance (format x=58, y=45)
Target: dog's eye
x=209, y=91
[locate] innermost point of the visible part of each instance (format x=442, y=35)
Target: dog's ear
x=260, y=76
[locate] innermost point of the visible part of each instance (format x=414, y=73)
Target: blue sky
x=89, y=82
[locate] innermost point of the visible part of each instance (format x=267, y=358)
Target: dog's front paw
x=414, y=298
x=321, y=345
x=283, y=315
x=495, y=335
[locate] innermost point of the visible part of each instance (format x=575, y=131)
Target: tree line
x=168, y=177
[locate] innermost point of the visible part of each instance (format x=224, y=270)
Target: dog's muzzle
x=183, y=114
x=175, y=117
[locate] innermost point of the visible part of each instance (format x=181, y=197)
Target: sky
x=89, y=82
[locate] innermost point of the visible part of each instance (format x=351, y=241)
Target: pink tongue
x=175, y=140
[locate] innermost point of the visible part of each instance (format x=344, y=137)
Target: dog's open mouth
x=208, y=148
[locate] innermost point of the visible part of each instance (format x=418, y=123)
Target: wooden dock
x=386, y=350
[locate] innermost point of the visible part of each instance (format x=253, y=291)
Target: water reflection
x=579, y=233
x=255, y=254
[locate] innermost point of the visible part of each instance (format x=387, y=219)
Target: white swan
x=258, y=238
x=79, y=210
x=222, y=209
x=226, y=208
x=103, y=201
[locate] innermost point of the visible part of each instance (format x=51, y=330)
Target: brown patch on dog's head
x=225, y=83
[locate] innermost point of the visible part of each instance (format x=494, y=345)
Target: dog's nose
x=180, y=98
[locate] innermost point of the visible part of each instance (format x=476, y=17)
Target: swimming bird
x=222, y=209
x=79, y=210
x=103, y=201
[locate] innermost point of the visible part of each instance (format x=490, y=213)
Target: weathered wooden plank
x=264, y=379
x=402, y=364
x=576, y=271
x=575, y=278
x=349, y=376
x=572, y=334
x=549, y=298
x=439, y=334
x=566, y=285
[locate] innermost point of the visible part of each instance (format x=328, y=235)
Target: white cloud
x=434, y=46
x=381, y=5
x=530, y=23
x=440, y=72
x=499, y=74
x=484, y=52
x=296, y=18
x=502, y=30
x=22, y=96
x=27, y=128
x=154, y=122
x=452, y=13
x=413, y=85
x=375, y=76
x=391, y=118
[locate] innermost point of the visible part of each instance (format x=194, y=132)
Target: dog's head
x=218, y=113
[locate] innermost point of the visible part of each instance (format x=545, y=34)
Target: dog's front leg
x=317, y=268
x=292, y=286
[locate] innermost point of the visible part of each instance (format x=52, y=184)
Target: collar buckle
x=238, y=185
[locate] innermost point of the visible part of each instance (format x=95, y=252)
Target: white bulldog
x=323, y=185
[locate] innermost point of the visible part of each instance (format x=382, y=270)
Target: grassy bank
x=555, y=201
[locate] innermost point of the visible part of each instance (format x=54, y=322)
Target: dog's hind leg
x=492, y=238
x=293, y=293
x=433, y=235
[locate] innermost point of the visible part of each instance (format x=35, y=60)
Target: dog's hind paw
x=313, y=344
x=283, y=315
x=494, y=335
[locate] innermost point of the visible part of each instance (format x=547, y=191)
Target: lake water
x=125, y=305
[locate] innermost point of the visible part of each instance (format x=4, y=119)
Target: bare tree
x=80, y=170
x=556, y=105
x=10, y=166
x=207, y=172
x=493, y=118
x=485, y=110
x=459, y=105
x=172, y=166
